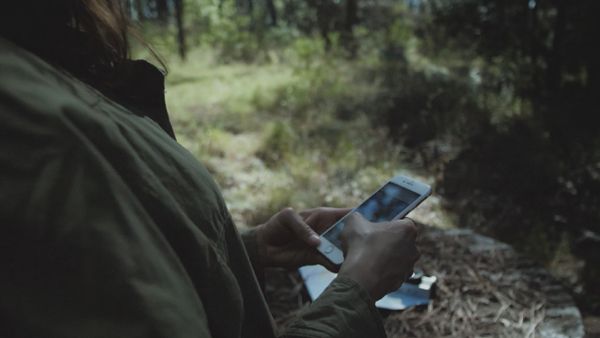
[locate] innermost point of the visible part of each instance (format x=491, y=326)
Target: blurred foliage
x=319, y=101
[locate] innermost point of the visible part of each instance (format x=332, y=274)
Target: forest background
x=306, y=103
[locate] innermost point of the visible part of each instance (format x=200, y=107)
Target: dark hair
x=48, y=27
x=87, y=37
x=107, y=26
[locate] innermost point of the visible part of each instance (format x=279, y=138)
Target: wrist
x=362, y=277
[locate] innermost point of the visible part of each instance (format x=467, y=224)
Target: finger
x=418, y=225
x=318, y=211
x=408, y=227
x=303, y=231
x=307, y=213
x=321, y=210
x=336, y=213
x=355, y=220
x=317, y=224
x=323, y=217
x=323, y=220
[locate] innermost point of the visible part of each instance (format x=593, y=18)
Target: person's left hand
x=289, y=239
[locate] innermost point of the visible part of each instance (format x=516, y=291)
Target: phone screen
x=384, y=205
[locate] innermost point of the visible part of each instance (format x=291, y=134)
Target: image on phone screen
x=384, y=205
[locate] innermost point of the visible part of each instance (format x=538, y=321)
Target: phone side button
x=328, y=249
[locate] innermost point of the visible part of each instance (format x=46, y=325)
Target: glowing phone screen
x=384, y=205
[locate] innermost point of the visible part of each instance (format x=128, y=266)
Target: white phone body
x=400, y=195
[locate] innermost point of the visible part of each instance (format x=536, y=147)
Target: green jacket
x=112, y=229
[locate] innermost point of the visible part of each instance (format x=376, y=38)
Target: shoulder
x=39, y=99
x=52, y=125
x=52, y=122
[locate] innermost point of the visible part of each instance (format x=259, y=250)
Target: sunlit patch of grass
x=203, y=86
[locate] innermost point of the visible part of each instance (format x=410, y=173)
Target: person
x=111, y=229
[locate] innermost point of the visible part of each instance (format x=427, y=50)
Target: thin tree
x=272, y=12
x=350, y=21
x=139, y=8
x=180, y=31
x=162, y=10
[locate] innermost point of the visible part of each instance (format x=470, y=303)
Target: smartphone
x=395, y=199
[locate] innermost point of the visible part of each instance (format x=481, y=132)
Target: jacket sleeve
x=344, y=309
x=80, y=257
x=249, y=240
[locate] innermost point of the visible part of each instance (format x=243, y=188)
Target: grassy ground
x=269, y=136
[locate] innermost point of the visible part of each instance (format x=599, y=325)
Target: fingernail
x=314, y=240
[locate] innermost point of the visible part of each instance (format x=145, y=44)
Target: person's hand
x=379, y=256
x=289, y=239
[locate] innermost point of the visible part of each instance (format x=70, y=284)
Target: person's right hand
x=378, y=256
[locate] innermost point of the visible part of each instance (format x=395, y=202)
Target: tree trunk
x=244, y=7
x=534, y=48
x=326, y=11
x=180, y=31
x=162, y=10
x=350, y=21
x=128, y=5
x=139, y=8
x=221, y=3
x=272, y=12
x=351, y=15
x=323, y=20
x=556, y=55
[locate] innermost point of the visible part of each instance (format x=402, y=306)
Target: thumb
x=354, y=224
x=302, y=230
